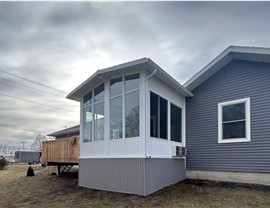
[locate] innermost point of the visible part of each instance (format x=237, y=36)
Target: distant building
x=65, y=133
x=24, y=156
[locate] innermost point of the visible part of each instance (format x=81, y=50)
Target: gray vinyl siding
x=130, y=175
x=238, y=79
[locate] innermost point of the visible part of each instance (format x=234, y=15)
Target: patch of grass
x=44, y=190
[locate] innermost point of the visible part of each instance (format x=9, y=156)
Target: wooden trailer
x=61, y=152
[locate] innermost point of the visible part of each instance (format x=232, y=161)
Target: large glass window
x=124, y=107
x=93, y=115
x=154, y=115
x=87, y=117
x=99, y=93
x=99, y=113
x=99, y=121
x=116, y=118
x=176, y=123
x=158, y=116
x=87, y=99
x=132, y=114
x=132, y=82
x=87, y=124
x=234, y=121
x=116, y=86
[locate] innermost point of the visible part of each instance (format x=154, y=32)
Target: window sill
x=234, y=140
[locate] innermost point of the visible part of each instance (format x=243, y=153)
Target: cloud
x=61, y=44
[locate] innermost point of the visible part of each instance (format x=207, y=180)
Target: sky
x=48, y=49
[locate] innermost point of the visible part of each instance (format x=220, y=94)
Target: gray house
x=136, y=122
x=228, y=118
x=65, y=133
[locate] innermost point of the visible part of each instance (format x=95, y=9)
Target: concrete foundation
x=240, y=177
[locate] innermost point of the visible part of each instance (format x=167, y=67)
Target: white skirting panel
x=141, y=176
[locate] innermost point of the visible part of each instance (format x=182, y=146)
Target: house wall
x=238, y=79
x=141, y=176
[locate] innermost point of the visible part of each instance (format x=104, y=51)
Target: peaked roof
x=143, y=63
x=74, y=130
x=243, y=53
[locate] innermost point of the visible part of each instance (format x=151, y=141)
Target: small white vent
x=178, y=151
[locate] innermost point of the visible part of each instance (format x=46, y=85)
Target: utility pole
x=23, y=145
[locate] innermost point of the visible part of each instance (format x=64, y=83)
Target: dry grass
x=43, y=190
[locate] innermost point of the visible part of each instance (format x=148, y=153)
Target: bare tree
x=37, y=144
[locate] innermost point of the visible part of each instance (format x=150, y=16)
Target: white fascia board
x=249, y=49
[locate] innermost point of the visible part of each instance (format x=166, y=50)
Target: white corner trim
x=247, y=114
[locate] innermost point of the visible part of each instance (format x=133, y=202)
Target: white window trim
x=92, y=106
x=123, y=96
x=247, y=112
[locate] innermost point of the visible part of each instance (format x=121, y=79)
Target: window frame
x=170, y=113
x=123, y=96
x=92, y=105
x=247, y=138
x=158, y=117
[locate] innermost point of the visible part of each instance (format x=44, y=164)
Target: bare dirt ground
x=43, y=190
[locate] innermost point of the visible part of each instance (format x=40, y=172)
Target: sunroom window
x=176, y=123
x=99, y=113
x=87, y=117
x=158, y=114
x=234, y=121
x=125, y=107
x=93, y=115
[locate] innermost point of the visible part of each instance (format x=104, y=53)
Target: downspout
x=147, y=78
x=152, y=74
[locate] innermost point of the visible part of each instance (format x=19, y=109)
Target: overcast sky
x=60, y=44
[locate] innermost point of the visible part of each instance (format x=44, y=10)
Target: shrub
x=3, y=163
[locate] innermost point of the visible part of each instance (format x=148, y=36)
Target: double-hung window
x=234, y=121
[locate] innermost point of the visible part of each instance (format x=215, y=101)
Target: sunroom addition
x=132, y=115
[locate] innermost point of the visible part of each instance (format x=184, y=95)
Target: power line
x=29, y=80
x=30, y=101
x=16, y=83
